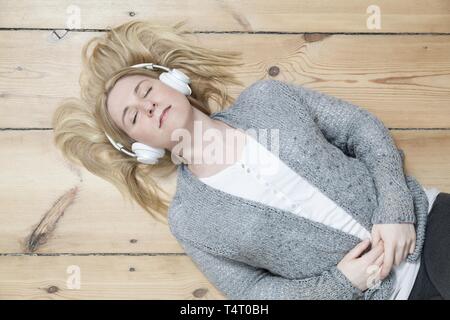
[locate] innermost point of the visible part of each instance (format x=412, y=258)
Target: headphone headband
x=150, y=66
x=119, y=146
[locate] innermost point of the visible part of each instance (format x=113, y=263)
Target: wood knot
x=199, y=293
x=52, y=289
x=274, y=71
x=314, y=37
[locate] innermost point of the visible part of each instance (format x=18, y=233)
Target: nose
x=150, y=109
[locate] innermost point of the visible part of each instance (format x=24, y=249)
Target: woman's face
x=143, y=99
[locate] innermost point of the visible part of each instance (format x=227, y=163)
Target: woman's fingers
x=375, y=237
x=374, y=270
x=388, y=261
x=378, y=263
x=398, y=255
x=374, y=253
x=358, y=249
x=402, y=253
x=405, y=253
x=413, y=247
x=379, y=260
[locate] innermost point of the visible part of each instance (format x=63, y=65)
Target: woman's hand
x=398, y=239
x=360, y=270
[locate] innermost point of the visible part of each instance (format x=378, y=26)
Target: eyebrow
x=126, y=108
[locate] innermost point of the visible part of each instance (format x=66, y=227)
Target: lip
x=164, y=115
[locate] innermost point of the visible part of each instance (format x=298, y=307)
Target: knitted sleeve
x=240, y=281
x=362, y=135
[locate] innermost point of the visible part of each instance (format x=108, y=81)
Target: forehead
x=124, y=88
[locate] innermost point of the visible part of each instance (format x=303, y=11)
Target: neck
x=192, y=148
x=193, y=151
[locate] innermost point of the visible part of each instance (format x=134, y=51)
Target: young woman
x=322, y=211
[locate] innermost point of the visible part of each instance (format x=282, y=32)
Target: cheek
x=145, y=132
x=148, y=135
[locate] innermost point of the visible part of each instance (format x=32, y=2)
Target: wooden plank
x=427, y=156
x=405, y=80
x=103, y=277
x=231, y=15
x=34, y=176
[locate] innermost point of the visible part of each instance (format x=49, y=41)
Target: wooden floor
x=400, y=72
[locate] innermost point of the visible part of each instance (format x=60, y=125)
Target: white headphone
x=173, y=78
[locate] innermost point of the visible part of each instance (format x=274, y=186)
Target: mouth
x=164, y=115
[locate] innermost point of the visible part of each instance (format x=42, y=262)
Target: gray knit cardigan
x=249, y=250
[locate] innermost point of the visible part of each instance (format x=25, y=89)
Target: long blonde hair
x=79, y=123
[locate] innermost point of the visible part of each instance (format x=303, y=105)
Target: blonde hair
x=79, y=123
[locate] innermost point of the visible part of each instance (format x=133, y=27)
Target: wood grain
x=234, y=15
x=103, y=277
x=403, y=79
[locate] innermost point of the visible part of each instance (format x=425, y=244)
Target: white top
x=261, y=176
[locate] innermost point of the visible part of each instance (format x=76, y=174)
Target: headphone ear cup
x=173, y=80
x=147, y=154
x=180, y=75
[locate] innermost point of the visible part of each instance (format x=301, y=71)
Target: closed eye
x=147, y=92
x=134, y=119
